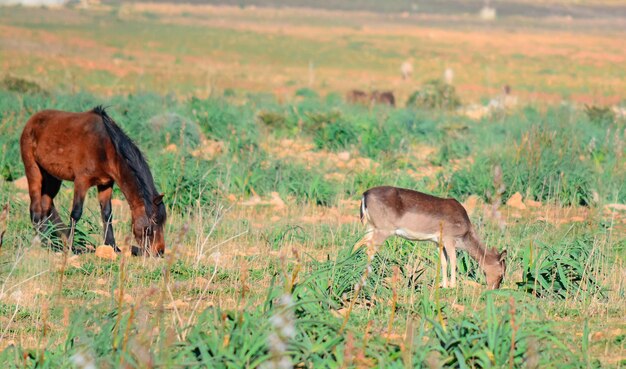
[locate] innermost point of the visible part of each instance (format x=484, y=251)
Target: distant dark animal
x=357, y=97
x=384, y=97
x=507, y=89
x=89, y=149
x=375, y=97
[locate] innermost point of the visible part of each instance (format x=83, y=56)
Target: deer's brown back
x=391, y=208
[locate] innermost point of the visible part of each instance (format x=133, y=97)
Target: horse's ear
x=158, y=199
x=503, y=255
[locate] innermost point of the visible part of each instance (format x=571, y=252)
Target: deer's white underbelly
x=417, y=236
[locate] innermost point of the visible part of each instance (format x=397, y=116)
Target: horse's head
x=148, y=228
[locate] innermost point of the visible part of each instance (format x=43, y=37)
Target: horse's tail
x=126, y=148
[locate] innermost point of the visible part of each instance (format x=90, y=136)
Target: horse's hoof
x=136, y=251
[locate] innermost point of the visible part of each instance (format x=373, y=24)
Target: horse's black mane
x=132, y=156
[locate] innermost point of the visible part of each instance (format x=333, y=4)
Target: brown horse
x=90, y=149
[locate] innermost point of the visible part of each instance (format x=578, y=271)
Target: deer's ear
x=503, y=255
x=158, y=199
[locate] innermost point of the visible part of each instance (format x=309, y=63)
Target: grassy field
x=241, y=115
x=205, y=50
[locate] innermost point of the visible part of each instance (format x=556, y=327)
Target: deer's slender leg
x=444, y=268
x=373, y=239
x=365, y=240
x=377, y=239
x=450, y=248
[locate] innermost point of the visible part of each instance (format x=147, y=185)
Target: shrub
x=272, y=119
x=600, y=115
x=174, y=128
x=484, y=339
x=224, y=122
x=185, y=181
x=336, y=135
x=21, y=85
x=307, y=93
x=316, y=120
x=543, y=165
x=450, y=150
x=386, y=138
x=435, y=94
x=334, y=99
x=305, y=184
x=560, y=271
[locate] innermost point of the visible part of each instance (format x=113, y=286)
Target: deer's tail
x=363, y=209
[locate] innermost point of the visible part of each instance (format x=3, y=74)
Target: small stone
x=106, y=252
x=125, y=298
x=277, y=201
x=341, y=313
x=344, y=155
x=209, y=149
x=177, y=304
x=619, y=207
x=73, y=261
x=458, y=307
x=471, y=283
x=200, y=282
x=252, y=201
x=516, y=201
x=532, y=203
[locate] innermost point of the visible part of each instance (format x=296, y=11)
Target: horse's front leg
x=104, y=197
x=80, y=191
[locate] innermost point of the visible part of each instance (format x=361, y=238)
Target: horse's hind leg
x=104, y=197
x=80, y=191
x=49, y=189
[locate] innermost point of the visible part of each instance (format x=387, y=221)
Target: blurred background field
x=241, y=111
x=198, y=50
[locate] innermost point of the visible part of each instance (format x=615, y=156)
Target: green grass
x=254, y=284
x=552, y=271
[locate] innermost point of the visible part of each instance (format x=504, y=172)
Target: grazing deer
x=416, y=216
